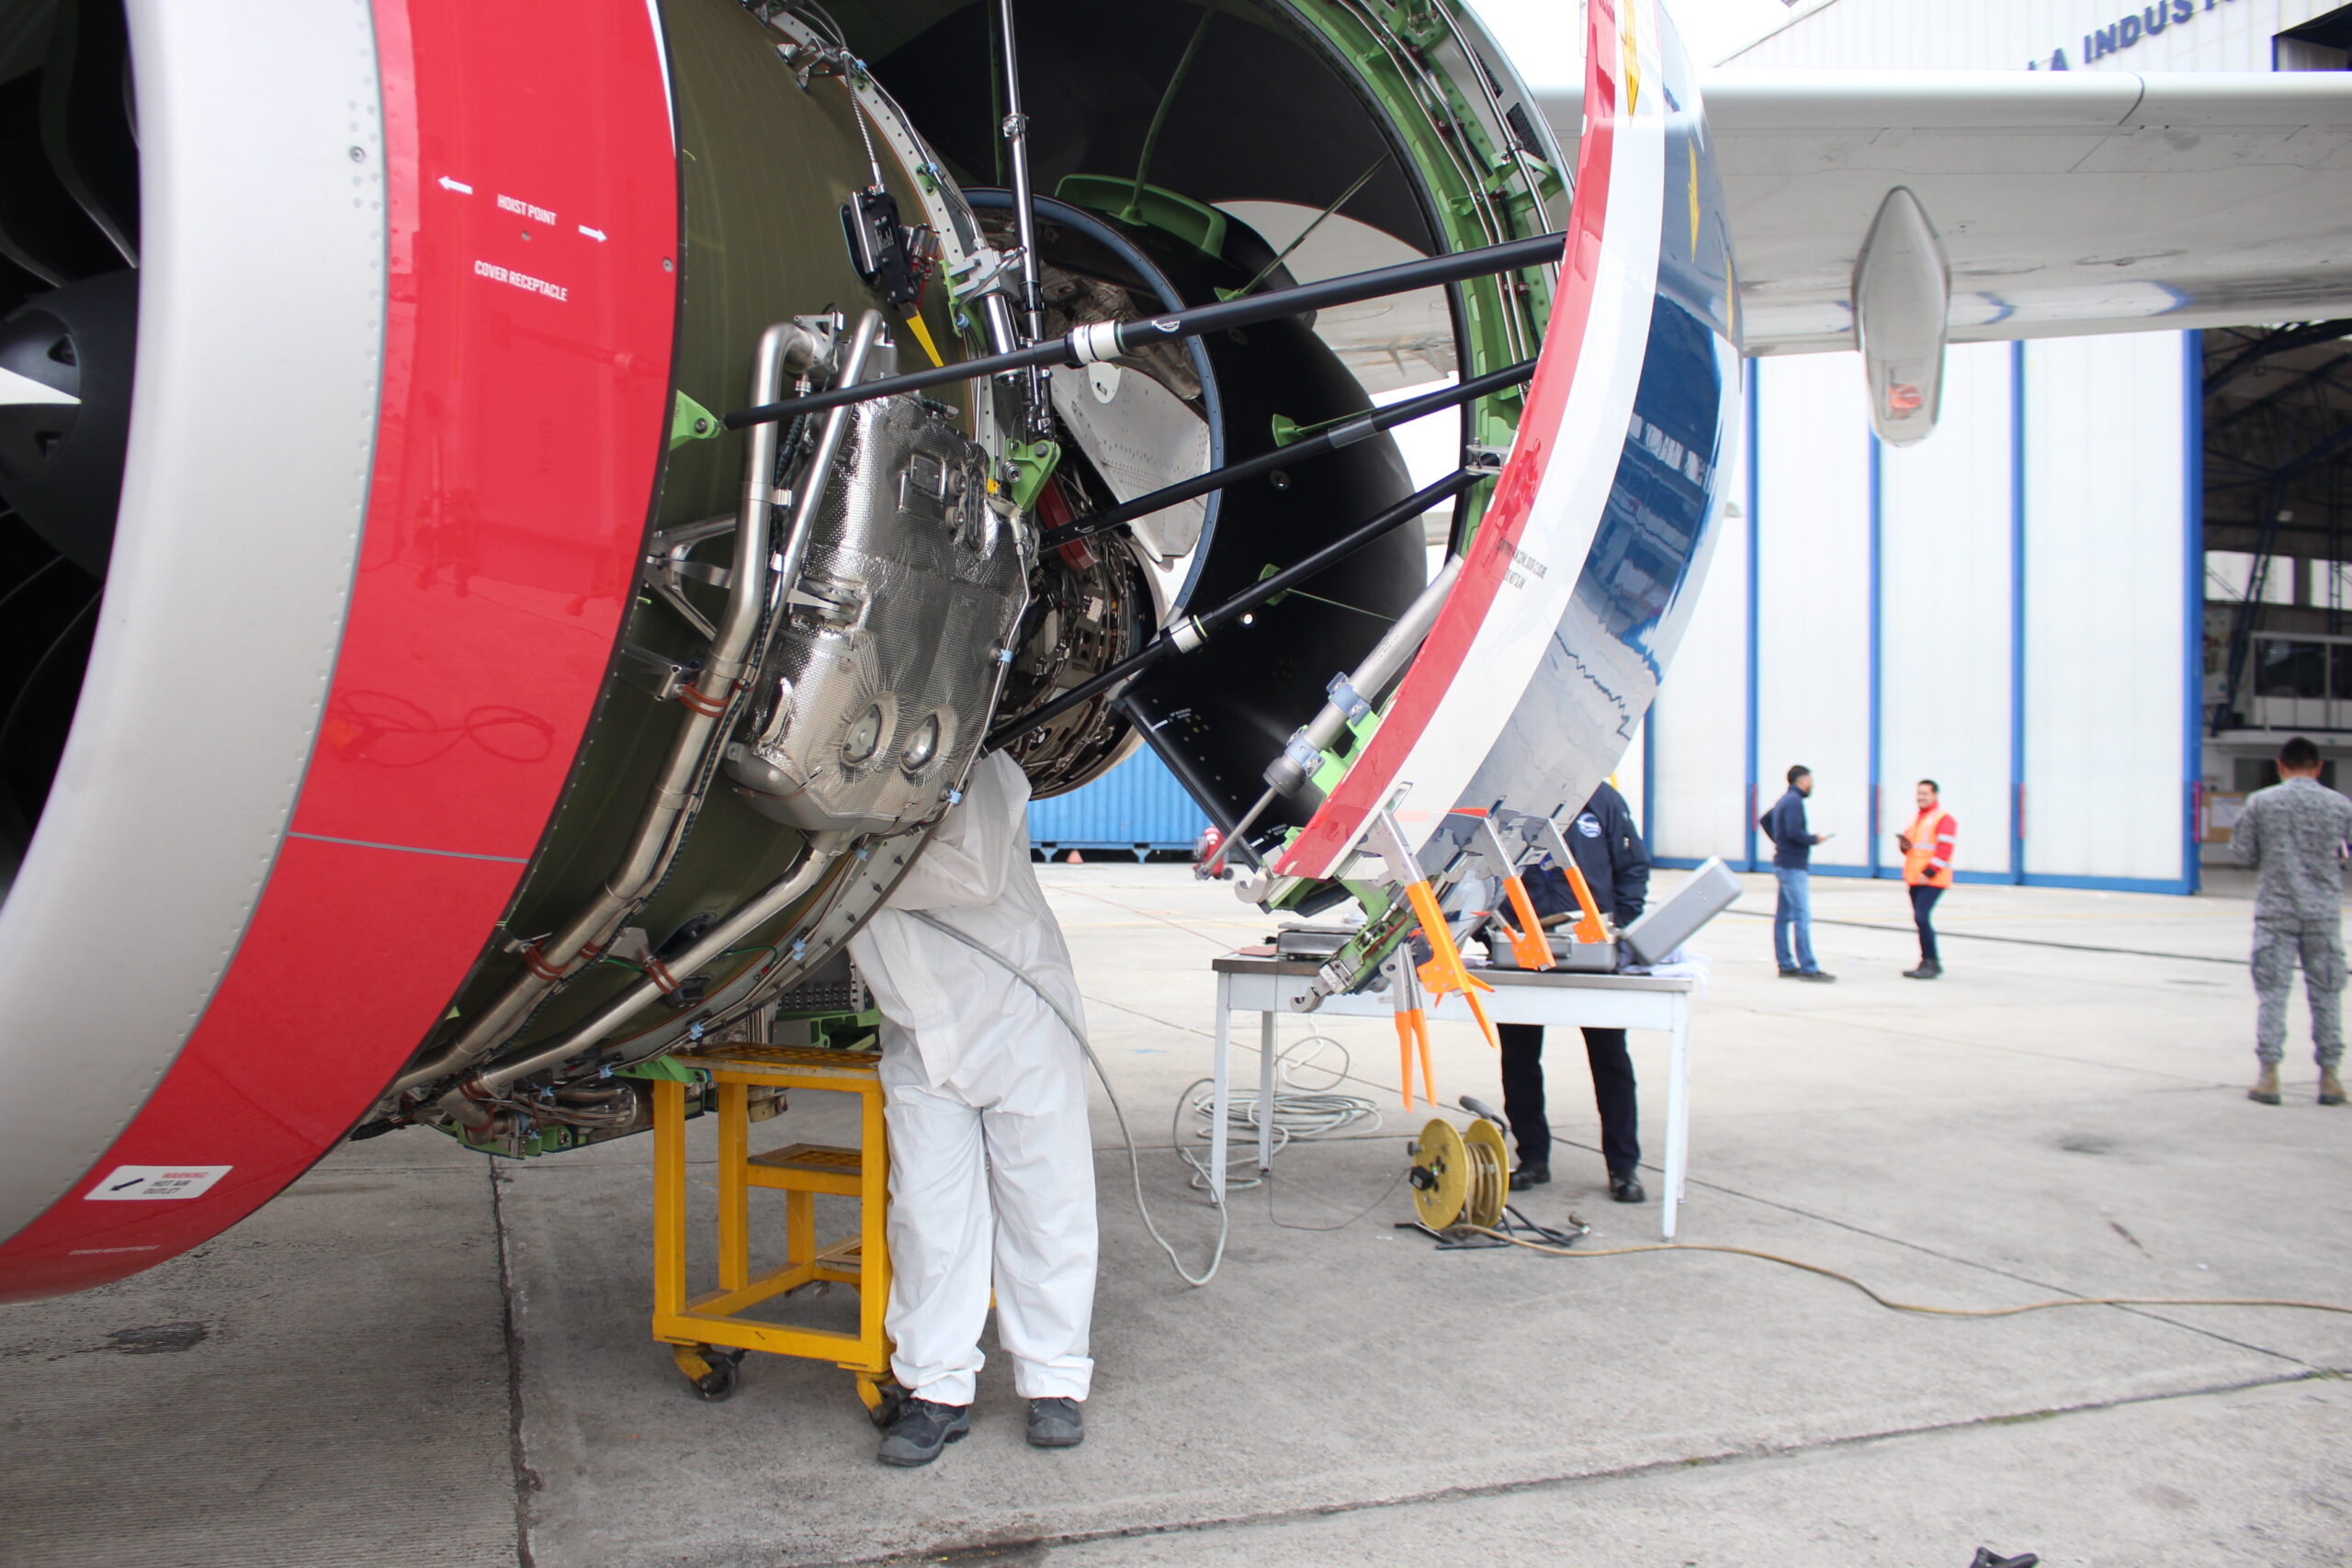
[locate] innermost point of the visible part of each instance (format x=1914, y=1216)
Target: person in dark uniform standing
x=1616, y=865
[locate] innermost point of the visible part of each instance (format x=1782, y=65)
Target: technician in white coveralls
x=991, y=1159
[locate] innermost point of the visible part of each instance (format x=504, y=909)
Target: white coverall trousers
x=990, y=1187
x=991, y=1162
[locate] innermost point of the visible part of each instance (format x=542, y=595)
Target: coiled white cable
x=1299, y=1112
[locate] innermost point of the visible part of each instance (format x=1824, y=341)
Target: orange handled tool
x=1591, y=927
x=1445, y=971
x=1528, y=945
x=1412, y=1033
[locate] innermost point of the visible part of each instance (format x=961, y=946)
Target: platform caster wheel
x=882, y=1401
x=712, y=1374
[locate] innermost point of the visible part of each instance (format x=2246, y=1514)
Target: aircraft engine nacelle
x=418, y=705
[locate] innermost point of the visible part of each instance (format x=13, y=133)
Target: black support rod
x=1343, y=435
x=1105, y=340
x=1191, y=631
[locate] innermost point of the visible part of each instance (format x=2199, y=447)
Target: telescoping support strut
x=1099, y=341
x=1025, y=216
x=1345, y=433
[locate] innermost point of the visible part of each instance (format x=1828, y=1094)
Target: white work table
x=1271, y=986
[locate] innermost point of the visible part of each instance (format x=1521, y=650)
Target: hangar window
x=2286, y=669
x=2332, y=584
x=2227, y=573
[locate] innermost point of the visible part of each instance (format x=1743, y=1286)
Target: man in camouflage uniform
x=2296, y=831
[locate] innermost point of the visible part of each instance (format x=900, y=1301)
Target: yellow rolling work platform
x=709, y=1334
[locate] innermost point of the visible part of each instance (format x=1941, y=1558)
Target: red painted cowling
x=518, y=162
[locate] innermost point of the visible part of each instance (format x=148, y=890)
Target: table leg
x=1678, y=1113
x=1265, y=1092
x=1221, y=1090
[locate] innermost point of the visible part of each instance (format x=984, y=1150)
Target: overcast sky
x=1711, y=29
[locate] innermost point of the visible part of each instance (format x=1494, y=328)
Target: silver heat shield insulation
x=877, y=692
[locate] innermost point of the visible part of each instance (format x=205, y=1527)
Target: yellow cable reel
x=1459, y=1177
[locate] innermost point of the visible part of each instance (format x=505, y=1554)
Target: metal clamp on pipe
x=778, y=897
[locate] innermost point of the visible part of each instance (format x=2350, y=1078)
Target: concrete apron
x=2044, y=1121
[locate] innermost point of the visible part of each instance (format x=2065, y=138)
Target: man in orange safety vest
x=1926, y=847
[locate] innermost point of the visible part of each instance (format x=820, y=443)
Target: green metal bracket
x=1288, y=432
x=839, y=1031
x=1196, y=223
x=1033, y=463
x=1264, y=572
x=689, y=421
x=662, y=1069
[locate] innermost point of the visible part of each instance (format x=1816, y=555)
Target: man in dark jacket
x=1792, y=844
x=1616, y=864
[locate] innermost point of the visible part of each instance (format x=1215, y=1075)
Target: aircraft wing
x=2065, y=203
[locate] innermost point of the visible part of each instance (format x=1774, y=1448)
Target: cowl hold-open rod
x=1098, y=341
x=1190, y=632
x=1345, y=433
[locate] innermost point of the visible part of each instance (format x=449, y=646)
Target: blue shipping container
x=1138, y=807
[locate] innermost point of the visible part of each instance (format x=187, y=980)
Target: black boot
x=921, y=1429
x=1928, y=970
x=1057, y=1423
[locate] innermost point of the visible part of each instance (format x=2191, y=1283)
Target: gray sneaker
x=1823, y=975
x=1057, y=1423
x=921, y=1429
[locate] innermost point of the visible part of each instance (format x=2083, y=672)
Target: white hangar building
x=2090, y=605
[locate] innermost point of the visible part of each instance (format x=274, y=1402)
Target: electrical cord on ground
x=1363, y=1213
x=1893, y=1306
x=1134, y=1159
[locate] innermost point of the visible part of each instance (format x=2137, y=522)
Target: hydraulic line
x=709, y=701
x=1099, y=341
x=1345, y=433
x=1189, y=632
x=779, y=895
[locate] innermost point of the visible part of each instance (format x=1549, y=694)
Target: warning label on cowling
x=147, y=1182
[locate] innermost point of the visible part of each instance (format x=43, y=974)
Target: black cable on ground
x=1894, y=1305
